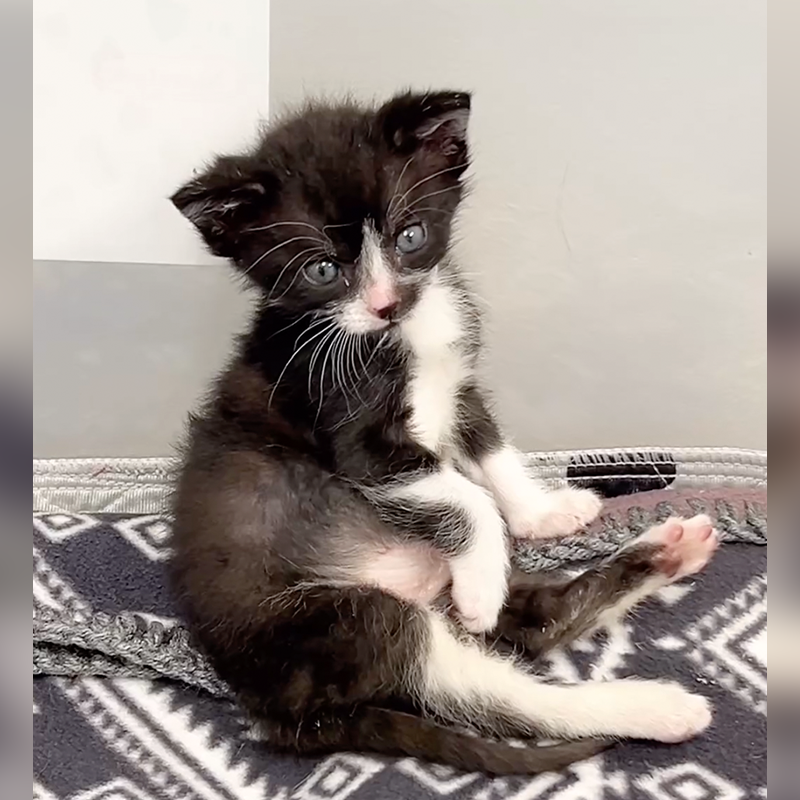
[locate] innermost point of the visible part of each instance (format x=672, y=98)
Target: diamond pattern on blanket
x=57, y=527
x=133, y=739
x=689, y=782
x=731, y=644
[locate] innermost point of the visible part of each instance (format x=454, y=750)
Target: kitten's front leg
x=531, y=510
x=462, y=521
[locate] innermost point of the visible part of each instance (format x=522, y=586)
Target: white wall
x=129, y=97
x=618, y=221
x=131, y=319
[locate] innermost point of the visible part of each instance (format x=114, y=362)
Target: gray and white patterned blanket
x=125, y=710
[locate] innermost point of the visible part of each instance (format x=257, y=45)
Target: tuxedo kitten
x=346, y=497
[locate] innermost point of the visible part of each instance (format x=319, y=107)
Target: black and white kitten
x=342, y=514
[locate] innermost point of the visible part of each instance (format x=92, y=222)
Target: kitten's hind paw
x=670, y=714
x=685, y=545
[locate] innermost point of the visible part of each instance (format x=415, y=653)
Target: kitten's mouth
x=387, y=318
x=392, y=324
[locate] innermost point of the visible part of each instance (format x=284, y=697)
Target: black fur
x=540, y=615
x=283, y=470
x=438, y=523
x=478, y=433
x=333, y=167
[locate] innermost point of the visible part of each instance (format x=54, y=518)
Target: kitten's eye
x=321, y=273
x=411, y=239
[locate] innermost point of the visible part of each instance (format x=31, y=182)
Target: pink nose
x=386, y=311
x=382, y=301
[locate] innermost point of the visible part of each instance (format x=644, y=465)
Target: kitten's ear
x=223, y=200
x=436, y=121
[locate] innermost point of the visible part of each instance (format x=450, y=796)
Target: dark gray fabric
x=101, y=609
x=113, y=644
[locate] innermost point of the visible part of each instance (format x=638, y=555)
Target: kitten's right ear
x=223, y=200
x=437, y=121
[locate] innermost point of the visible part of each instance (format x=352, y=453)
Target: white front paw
x=479, y=594
x=557, y=513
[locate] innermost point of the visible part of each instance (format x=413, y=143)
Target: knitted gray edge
x=72, y=643
x=141, y=485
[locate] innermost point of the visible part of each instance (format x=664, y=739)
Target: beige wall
x=618, y=222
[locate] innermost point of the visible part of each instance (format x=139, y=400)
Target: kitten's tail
x=397, y=733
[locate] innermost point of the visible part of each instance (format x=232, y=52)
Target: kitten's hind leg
x=328, y=667
x=539, y=615
x=325, y=666
x=464, y=682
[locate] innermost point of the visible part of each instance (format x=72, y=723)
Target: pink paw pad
x=687, y=545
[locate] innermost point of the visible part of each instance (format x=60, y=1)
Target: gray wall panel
x=123, y=351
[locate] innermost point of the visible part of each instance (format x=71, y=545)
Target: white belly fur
x=437, y=366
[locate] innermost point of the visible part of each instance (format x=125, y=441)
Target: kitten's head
x=340, y=209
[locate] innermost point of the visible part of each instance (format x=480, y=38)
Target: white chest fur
x=438, y=367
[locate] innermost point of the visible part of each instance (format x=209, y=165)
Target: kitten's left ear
x=436, y=121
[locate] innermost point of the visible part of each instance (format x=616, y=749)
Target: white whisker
x=429, y=178
x=315, y=355
x=315, y=253
x=337, y=225
x=287, y=222
x=360, y=341
x=337, y=368
x=292, y=324
x=397, y=186
x=317, y=322
x=322, y=381
x=278, y=247
x=286, y=366
x=378, y=345
x=351, y=371
x=407, y=212
x=408, y=209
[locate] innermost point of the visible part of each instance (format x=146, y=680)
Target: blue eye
x=411, y=239
x=322, y=273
